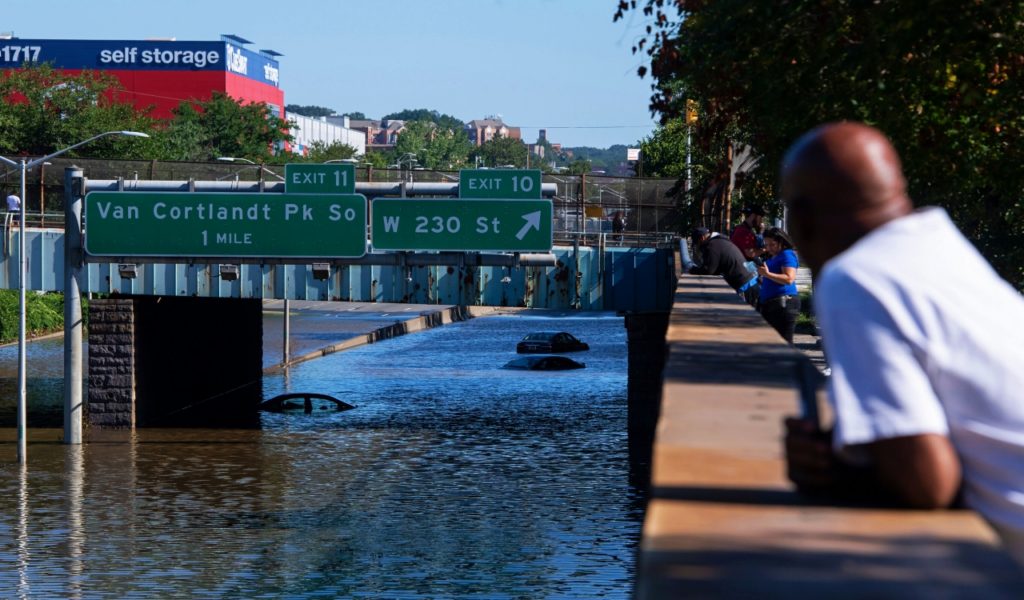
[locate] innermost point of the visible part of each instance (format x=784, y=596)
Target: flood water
x=453, y=478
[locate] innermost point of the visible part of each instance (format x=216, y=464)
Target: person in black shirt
x=719, y=256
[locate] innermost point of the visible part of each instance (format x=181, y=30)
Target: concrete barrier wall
x=724, y=522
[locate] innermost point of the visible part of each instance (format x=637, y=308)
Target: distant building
x=380, y=135
x=326, y=131
x=481, y=131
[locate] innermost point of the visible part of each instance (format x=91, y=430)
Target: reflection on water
x=451, y=478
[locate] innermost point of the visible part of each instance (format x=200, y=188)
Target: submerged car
x=550, y=341
x=305, y=402
x=544, y=363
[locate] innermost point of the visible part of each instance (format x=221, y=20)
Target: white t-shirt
x=13, y=203
x=924, y=337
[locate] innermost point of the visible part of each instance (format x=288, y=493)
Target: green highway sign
x=499, y=183
x=184, y=224
x=313, y=178
x=462, y=225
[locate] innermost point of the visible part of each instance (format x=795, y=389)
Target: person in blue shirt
x=780, y=303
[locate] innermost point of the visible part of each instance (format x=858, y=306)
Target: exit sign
x=313, y=178
x=504, y=225
x=225, y=225
x=513, y=184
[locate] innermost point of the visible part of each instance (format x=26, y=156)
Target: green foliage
x=44, y=313
x=942, y=79
x=600, y=158
x=423, y=114
x=501, y=151
x=579, y=167
x=663, y=154
x=308, y=111
x=222, y=126
x=321, y=152
x=44, y=111
x=356, y=115
x=805, y=322
x=377, y=159
x=434, y=146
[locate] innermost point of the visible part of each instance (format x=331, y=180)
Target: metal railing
x=583, y=205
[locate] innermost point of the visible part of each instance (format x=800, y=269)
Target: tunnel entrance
x=167, y=361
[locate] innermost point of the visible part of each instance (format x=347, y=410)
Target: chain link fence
x=588, y=209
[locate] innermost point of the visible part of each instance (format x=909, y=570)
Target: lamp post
x=24, y=165
x=256, y=165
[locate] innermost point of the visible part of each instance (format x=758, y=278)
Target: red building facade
x=158, y=75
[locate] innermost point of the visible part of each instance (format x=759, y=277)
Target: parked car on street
x=550, y=341
x=544, y=363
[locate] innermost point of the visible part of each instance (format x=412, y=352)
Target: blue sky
x=555, y=64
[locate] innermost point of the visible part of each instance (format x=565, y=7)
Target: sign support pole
x=73, y=186
x=287, y=327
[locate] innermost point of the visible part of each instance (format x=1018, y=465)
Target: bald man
x=924, y=340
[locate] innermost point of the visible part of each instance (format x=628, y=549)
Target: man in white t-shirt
x=13, y=203
x=924, y=340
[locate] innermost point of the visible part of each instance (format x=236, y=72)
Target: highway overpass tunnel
x=171, y=361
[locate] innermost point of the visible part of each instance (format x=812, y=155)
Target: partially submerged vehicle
x=550, y=341
x=544, y=363
x=305, y=402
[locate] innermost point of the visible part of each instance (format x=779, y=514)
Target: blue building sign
x=140, y=56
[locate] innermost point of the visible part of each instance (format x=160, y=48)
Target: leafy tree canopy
x=318, y=152
x=501, y=151
x=44, y=111
x=223, y=127
x=663, y=154
x=355, y=115
x=434, y=147
x=423, y=114
x=944, y=82
x=309, y=111
x=377, y=159
x=579, y=167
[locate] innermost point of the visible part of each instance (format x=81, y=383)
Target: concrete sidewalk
x=724, y=522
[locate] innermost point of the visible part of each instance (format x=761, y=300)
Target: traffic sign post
x=500, y=183
x=504, y=225
x=225, y=225
x=314, y=178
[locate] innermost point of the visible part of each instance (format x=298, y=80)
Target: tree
x=501, y=151
x=356, y=115
x=946, y=88
x=377, y=159
x=663, y=154
x=434, y=147
x=309, y=111
x=45, y=110
x=579, y=167
x=222, y=126
x=423, y=114
x=321, y=152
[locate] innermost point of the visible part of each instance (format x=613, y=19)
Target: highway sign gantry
x=199, y=224
x=502, y=225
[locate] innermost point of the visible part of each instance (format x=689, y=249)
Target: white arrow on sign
x=532, y=222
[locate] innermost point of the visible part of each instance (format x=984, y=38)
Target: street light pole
x=255, y=165
x=24, y=166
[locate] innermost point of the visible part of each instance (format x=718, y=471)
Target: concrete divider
x=723, y=521
x=344, y=336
